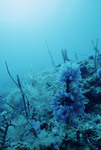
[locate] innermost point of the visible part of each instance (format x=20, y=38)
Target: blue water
x=25, y=25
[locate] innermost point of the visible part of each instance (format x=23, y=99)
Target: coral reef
x=77, y=86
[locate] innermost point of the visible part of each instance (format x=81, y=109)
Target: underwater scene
x=50, y=75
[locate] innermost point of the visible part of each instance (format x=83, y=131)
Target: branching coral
x=3, y=131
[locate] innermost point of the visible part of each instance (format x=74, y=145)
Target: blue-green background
x=25, y=25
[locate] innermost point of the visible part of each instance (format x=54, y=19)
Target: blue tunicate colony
x=68, y=102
